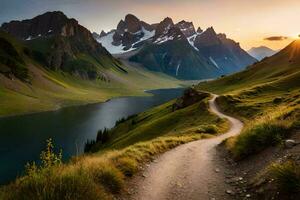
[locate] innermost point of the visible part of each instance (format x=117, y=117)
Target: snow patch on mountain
x=163, y=39
x=107, y=41
x=147, y=34
x=214, y=62
x=177, y=68
x=192, y=39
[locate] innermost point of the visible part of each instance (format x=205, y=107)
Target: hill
x=266, y=97
x=261, y=52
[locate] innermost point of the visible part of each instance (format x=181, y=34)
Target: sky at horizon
x=252, y=23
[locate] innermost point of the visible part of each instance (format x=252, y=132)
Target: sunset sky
x=248, y=22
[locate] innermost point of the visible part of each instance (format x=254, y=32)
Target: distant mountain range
x=261, y=52
x=176, y=49
x=179, y=50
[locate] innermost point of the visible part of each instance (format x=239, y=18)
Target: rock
x=190, y=97
x=230, y=192
x=290, y=143
x=187, y=28
x=163, y=27
x=248, y=195
x=217, y=170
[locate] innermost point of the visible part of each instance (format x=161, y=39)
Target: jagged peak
x=103, y=33
x=199, y=30
x=131, y=17
x=168, y=20
x=211, y=30
x=187, y=28
x=222, y=36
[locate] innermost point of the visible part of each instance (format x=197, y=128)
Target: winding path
x=190, y=171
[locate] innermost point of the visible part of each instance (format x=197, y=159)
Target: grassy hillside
x=266, y=96
x=26, y=85
x=163, y=120
x=102, y=175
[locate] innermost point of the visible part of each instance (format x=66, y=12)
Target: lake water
x=22, y=138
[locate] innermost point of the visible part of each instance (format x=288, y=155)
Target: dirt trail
x=190, y=171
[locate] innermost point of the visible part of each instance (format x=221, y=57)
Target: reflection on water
x=23, y=137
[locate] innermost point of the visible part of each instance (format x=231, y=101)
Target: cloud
x=276, y=38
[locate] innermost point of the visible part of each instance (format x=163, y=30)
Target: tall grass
x=264, y=132
x=287, y=176
x=95, y=176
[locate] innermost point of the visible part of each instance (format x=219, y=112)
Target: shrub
x=108, y=176
x=258, y=136
x=128, y=166
x=211, y=129
x=287, y=176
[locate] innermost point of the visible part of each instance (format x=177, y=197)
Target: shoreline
x=143, y=93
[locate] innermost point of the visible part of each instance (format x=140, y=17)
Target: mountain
x=128, y=34
x=43, y=70
x=278, y=72
x=226, y=54
x=177, y=49
x=261, y=52
x=63, y=44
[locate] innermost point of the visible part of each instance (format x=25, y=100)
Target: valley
x=31, y=81
x=161, y=106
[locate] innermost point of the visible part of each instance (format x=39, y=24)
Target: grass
x=265, y=97
x=88, y=177
x=35, y=88
x=263, y=132
x=52, y=90
x=102, y=175
x=164, y=121
x=286, y=176
x=260, y=96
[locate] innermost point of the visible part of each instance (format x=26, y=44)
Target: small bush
x=109, y=176
x=128, y=166
x=211, y=129
x=259, y=136
x=287, y=176
x=277, y=100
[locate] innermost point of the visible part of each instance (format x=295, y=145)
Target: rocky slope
x=63, y=44
x=176, y=49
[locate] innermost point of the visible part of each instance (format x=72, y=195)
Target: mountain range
x=177, y=49
x=52, y=61
x=261, y=52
